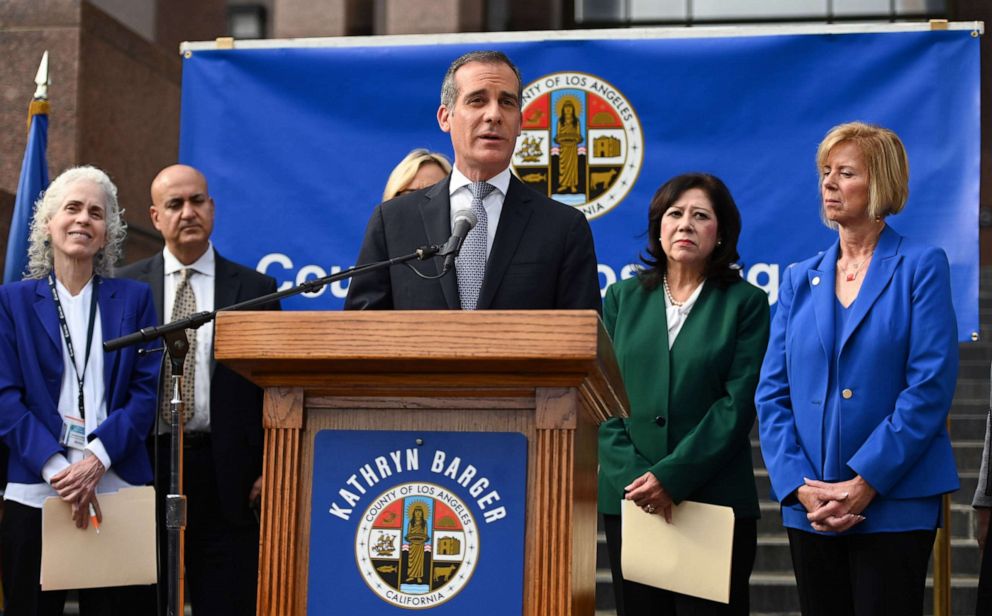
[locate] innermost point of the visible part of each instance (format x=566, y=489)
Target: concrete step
x=969, y=362
x=773, y=555
x=968, y=425
x=774, y=594
x=978, y=350
x=968, y=454
x=972, y=388
x=969, y=406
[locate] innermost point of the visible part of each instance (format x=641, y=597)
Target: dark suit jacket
x=691, y=407
x=31, y=377
x=235, y=403
x=542, y=256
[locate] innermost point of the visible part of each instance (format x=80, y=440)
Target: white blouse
x=678, y=314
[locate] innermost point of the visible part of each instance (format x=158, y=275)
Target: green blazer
x=691, y=408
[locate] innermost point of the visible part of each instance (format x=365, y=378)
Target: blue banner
x=298, y=142
x=404, y=521
x=33, y=180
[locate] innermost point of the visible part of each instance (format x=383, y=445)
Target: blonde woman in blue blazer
x=855, y=389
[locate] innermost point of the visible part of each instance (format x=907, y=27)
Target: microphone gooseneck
x=463, y=222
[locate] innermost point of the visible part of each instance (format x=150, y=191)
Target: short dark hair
x=722, y=266
x=449, y=91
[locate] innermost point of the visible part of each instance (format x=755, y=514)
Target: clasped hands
x=834, y=507
x=76, y=484
x=648, y=494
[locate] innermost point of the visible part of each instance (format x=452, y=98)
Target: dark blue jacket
x=31, y=369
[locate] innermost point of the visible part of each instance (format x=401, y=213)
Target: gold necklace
x=850, y=276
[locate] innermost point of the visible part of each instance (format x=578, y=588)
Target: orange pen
x=93, y=520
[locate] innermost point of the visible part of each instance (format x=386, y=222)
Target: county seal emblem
x=417, y=545
x=580, y=142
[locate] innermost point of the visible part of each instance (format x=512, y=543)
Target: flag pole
x=42, y=79
x=33, y=179
x=39, y=102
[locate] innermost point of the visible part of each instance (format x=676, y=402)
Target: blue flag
x=34, y=179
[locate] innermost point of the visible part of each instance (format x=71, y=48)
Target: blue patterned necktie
x=470, y=266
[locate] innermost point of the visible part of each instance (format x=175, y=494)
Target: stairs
x=772, y=583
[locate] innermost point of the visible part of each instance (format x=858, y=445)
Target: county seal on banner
x=580, y=142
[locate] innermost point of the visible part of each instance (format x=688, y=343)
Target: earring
x=719, y=242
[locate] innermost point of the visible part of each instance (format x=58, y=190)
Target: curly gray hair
x=40, y=255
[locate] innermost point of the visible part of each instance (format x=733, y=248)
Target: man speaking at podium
x=526, y=251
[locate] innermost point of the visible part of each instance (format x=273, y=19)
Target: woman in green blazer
x=689, y=335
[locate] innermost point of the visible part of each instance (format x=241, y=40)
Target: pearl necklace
x=668, y=293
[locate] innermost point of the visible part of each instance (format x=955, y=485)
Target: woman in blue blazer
x=78, y=431
x=855, y=389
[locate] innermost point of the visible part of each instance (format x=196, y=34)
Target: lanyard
x=80, y=376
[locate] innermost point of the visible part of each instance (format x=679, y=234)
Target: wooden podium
x=550, y=375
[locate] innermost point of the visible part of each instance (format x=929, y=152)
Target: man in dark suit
x=526, y=252
x=223, y=433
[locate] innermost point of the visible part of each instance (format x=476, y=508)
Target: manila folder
x=690, y=556
x=121, y=554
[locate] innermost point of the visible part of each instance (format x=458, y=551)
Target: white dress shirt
x=202, y=281
x=460, y=197
x=77, y=316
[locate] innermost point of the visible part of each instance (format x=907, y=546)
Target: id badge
x=73, y=433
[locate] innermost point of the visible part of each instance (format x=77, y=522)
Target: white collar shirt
x=677, y=315
x=460, y=197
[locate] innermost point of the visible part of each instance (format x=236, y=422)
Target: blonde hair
x=404, y=172
x=40, y=254
x=885, y=158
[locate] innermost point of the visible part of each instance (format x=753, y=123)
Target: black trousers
x=20, y=540
x=635, y=599
x=984, y=606
x=875, y=574
x=221, y=558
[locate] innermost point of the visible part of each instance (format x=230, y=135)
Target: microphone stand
x=176, y=346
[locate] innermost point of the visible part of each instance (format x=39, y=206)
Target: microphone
x=464, y=222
